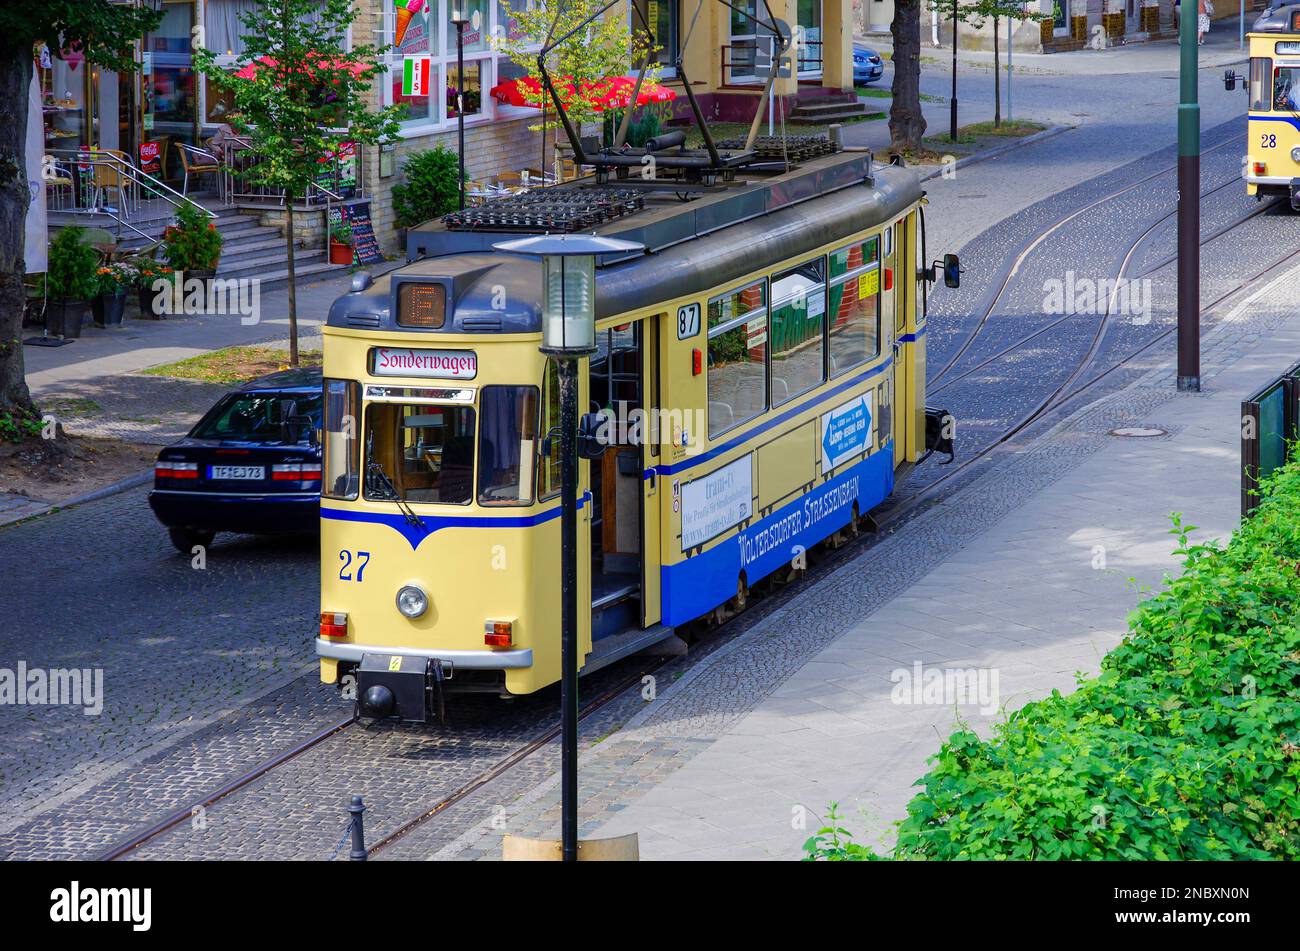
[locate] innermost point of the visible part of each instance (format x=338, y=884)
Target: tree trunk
x=15, y=77
x=906, y=123
x=293, y=289
x=997, y=79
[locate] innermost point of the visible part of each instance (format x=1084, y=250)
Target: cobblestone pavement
x=99, y=586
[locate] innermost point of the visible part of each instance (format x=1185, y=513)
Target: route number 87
x=345, y=556
x=1267, y=141
x=688, y=321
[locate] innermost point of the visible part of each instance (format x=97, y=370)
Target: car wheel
x=186, y=538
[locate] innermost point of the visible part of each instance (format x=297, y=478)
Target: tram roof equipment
x=1280, y=19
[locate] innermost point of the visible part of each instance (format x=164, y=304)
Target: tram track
x=181, y=815
x=1042, y=236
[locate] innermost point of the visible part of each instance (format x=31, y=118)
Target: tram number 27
x=1267, y=141
x=688, y=321
x=345, y=570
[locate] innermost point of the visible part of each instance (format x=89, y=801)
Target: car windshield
x=262, y=417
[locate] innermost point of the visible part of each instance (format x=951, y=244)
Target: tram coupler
x=402, y=687
x=1295, y=194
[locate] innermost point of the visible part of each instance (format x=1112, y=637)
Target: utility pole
x=952, y=134
x=1189, y=209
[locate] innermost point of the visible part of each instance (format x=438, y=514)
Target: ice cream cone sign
x=405, y=10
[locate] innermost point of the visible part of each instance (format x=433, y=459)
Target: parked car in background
x=252, y=464
x=867, y=65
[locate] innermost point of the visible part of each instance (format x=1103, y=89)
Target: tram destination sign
x=426, y=364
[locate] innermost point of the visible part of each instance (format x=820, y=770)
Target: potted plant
x=71, y=282
x=147, y=275
x=114, y=281
x=193, y=245
x=341, y=243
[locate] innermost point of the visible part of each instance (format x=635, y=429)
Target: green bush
x=1185, y=746
x=193, y=243
x=430, y=190
x=73, y=266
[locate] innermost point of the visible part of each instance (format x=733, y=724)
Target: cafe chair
x=195, y=161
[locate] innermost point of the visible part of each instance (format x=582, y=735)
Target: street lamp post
x=458, y=20
x=568, y=335
x=1189, y=209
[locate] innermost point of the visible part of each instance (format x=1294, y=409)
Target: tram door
x=905, y=347
x=651, y=455
x=897, y=303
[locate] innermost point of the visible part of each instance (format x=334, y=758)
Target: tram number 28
x=688, y=321
x=1267, y=141
x=345, y=570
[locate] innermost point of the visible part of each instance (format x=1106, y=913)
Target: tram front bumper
x=451, y=659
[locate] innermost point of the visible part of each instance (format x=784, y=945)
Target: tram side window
x=507, y=444
x=798, y=330
x=737, y=357
x=420, y=453
x=340, y=444
x=1261, y=75
x=854, y=305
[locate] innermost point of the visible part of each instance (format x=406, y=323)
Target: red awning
x=614, y=92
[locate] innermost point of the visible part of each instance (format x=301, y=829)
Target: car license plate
x=236, y=472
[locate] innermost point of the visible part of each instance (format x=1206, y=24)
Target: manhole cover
x=1138, y=432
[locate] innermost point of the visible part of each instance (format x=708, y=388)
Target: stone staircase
x=830, y=106
x=252, y=250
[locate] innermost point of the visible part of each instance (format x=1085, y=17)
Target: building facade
x=145, y=114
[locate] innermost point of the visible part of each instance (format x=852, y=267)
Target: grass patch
x=873, y=93
x=233, y=364
x=1010, y=128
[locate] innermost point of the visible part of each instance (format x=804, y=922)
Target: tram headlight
x=411, y=601
x=1295, y=154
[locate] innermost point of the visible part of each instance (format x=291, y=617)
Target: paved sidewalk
x=741, y=757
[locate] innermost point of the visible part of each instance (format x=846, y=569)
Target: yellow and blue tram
x=1273, y=89
x=762, y=371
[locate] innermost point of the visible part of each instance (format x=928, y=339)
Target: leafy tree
x=977, y=13
x=906, y=122
x=306, y=98
x=430, y=189
x=103, y=32
x=602, y=49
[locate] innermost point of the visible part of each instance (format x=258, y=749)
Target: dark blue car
x=867, y=65
x=252, y=464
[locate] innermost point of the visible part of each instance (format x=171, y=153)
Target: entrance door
x=893, y=259
x=170, y=112
x=653, y=438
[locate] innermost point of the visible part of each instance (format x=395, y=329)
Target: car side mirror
x=951, y=271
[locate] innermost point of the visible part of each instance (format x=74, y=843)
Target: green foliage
x=430, y=189
x=100, y=29
x=308, y=92
x=116, y=278
x=18, y=425
x=341, y=232
x=592, y=53
x=647, y=122
x=1186, y=746
x=73, y=266
x=193, y=243
x=833, y=843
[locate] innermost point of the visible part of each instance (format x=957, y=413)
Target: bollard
x=358, y=809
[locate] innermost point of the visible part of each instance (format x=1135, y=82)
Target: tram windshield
x=426, y=453
x=1286, y=89
x=419, y=453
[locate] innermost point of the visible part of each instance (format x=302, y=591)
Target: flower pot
x=64, y=317
x=340, y=253
x=149, y=310
x=108, y=308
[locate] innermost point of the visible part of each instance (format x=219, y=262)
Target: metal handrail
x=141, y=182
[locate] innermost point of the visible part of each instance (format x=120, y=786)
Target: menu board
x=365, y=245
